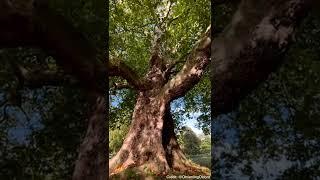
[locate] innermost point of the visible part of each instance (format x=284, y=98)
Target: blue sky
x=188, y=121
x=21, y=127
x=192, y=122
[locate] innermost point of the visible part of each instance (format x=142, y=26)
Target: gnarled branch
x=122, y=70
x=36, y=78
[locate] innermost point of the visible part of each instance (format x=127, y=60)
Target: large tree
x=244, y=54
x=160, y=49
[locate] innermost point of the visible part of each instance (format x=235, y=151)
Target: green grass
x=201, y=159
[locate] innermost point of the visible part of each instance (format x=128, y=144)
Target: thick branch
x=119, y=86
x=124, y=71
x=193, y=69
x=38, y=78
x=251, y=48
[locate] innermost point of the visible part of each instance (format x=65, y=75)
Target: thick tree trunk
x=151, y=144
x=92, y=159
x=143, y=142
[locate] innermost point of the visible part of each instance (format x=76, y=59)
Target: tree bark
x=151, y=144
x=91, y=163
x=143, y=142
x=251, y=47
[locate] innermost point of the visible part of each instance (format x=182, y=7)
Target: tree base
x=182, y=166
x=143, y=173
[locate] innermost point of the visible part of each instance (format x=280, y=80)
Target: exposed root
x=182, y=165
x=153, y=165
x=120, y=162
x=121, y=167
x=187, y=167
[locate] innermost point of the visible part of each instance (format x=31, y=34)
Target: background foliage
x=274, y=134
x=196, y=147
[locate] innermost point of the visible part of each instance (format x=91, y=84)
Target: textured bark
x=31, y=23
x=251, y=47
x=143, y=142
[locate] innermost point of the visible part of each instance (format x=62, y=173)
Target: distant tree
x=191, y=142
x=205, y=145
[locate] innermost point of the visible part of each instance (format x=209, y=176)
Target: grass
x=201, y=159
